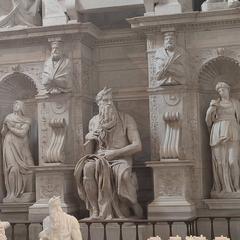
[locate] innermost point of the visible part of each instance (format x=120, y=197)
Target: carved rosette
x=170, y=149
x=55, y=152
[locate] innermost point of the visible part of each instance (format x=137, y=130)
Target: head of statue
x=18, y=107
x=104, y=97
x=54, y=205
x=107, y=112
x=169, y=41
x=57, y=50
x=223, y=90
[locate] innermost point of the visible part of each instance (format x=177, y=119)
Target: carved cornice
x=189, y=21
x=74, y=31
x=120, y=37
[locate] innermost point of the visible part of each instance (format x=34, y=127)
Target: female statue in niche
x=17, y=158
x=223, y=117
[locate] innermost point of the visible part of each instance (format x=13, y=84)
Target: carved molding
x=55, y=152
x=187, y=21
x=172, y=99
x=154, y=119
x=49, y=186
x=32, y=72
x=43, y=131
x=170, y=149
x=219, y=66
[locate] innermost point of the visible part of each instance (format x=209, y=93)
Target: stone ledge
x=222, y=203
x=15, y=207
x=188, y=20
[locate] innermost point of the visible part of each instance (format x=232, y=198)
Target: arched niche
x=221, y=68
x=19, y=86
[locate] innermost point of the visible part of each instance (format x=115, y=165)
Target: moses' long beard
x=107, y=117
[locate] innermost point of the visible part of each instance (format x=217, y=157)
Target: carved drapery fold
x=55, y=152
x=170, y=149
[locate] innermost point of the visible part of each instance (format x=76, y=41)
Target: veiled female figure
x=223, y=116
x=19, y=13
x=17, y=157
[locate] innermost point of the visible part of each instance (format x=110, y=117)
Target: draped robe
x=17, y=158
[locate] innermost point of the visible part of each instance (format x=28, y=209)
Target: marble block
x=165, y=7
x=206, y=6
x=222, y=204
x=168, y=7
x=172, y=194
x=53, y=180
x=221, y=238
x=53, y=13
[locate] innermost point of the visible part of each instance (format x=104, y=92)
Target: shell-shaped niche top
x=221, y=66
x=16, y=86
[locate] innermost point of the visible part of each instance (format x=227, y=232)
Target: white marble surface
x=3, y=227
x=59, y=225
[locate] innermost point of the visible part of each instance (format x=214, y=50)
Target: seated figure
x=20, y=13
x=104, y=178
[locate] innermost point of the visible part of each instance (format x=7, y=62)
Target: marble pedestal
x=172, y=191
x=53, y=13
x=222, y=204
x=53, y=180
x=169, y=7
x=214, y=6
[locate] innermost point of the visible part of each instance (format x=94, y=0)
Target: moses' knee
x=89, y=170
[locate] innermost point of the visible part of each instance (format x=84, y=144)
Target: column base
x=53, y=180
x=222, y=203
x=171, y=208
x=55, y=20
x=168, y=8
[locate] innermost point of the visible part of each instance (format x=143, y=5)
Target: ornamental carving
x=171, y=149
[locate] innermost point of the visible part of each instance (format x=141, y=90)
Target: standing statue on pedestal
x=19, y=13
x=168, y=62
x=59, y=225
x=222, y=118
x=17, y=158
x=104, y=178
x=56, y=76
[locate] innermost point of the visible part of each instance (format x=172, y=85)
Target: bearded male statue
x=59, y=225
x=57, y=71
x=169, y=62
x=104, y=177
